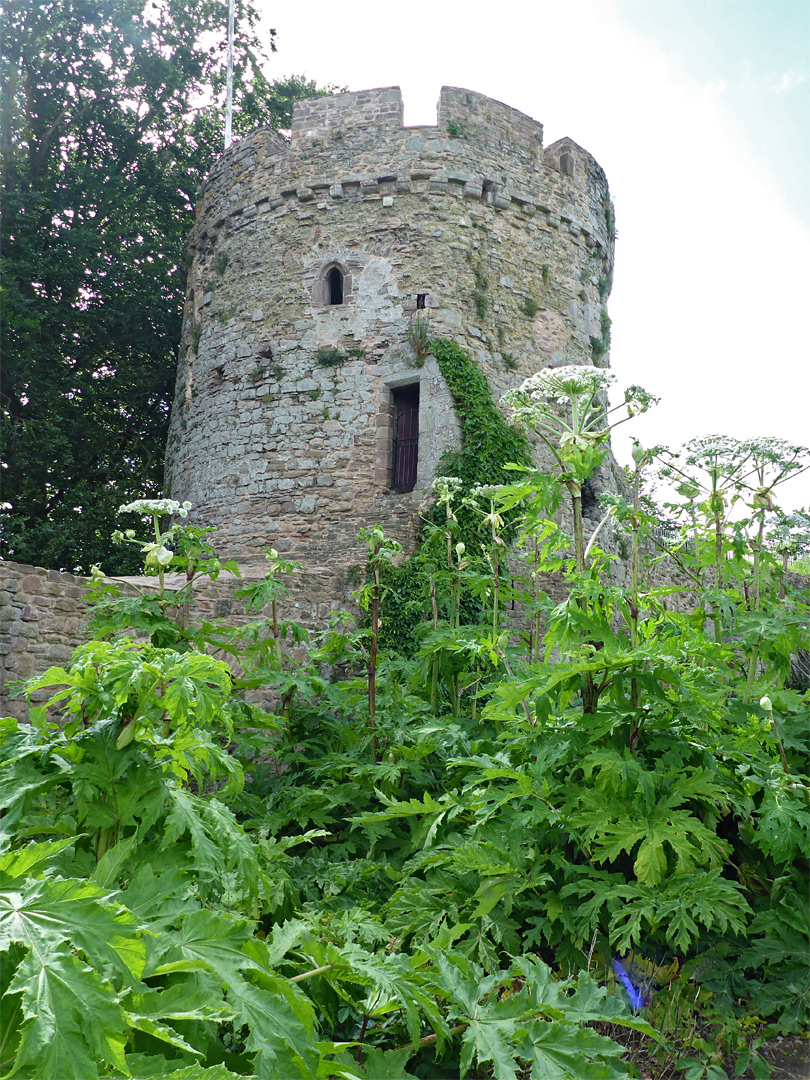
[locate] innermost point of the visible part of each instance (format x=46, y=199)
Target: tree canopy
x=108, y=124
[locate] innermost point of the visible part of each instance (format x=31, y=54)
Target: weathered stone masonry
x=508, y=245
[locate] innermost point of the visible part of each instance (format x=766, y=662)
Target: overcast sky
x=699, y=112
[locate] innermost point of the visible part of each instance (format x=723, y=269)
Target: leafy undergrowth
x=581, y=861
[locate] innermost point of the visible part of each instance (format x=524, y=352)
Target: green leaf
x=491, y=1038
x=679, y=905
x=31, y=858
x=72, y=1018
x=282, y=939
x=281, y=1027
x=155, y=1067
x=109, y=865
x=219, y=844
x=562, y=1051
x=386, y=1064
x=206, y=941
x=48, y=914
x=159, y=900
x=651, y=862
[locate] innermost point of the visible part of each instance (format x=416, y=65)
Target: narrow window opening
x=420, y=301
x=590, y=500
x=406, y=437
x=334, y=286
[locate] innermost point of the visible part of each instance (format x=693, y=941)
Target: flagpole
x=229, y=92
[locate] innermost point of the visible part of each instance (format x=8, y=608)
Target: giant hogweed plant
x=154, y=921
x=660, y=863
x=443, y=893
x=730, y=514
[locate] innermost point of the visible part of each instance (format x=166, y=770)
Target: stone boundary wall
x=43, y=614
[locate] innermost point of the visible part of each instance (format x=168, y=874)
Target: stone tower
x=302, y=412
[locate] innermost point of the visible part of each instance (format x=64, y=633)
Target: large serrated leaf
x=386, y=1064
x=73, y=1020
x=281, y=1028
x=491, y=1040
x=27, y=861
x=218, y=842
x=46, y=914
x=207, y=941
x=155, y=1067
x=563, y=1051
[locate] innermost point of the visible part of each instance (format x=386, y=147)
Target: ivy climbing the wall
x=488, y=444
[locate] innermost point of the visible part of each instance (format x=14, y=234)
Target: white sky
x=710, y=298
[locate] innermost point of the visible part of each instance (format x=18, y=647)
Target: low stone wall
x=41, y=623
x=43, y=614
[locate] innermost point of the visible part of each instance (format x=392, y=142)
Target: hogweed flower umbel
x=563, y=383
x=156, y=507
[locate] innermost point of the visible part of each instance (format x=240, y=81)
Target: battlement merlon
x=472, y=115
x=566, y=156
x=323, y=117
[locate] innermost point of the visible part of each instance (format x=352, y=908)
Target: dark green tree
x=109, y=121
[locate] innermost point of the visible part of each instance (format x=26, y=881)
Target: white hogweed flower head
x=156, y=507
x=446, y=486
x=715, y=450
x=777, y=452
x=485, y=491
x=563, y=383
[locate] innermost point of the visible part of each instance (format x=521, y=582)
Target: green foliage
x=489, y=443
x=600, y=345
x=419, y=336
x=481, y=304
x=196, y=334
x=530, y=307
x=575, y=858
x=330, y=356
x=104, y=147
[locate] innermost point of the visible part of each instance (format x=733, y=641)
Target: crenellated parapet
x=352, y=146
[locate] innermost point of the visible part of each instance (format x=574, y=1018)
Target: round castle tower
x=302, y=413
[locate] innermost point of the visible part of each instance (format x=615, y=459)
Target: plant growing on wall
x=419, y=335
x=330, y=356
